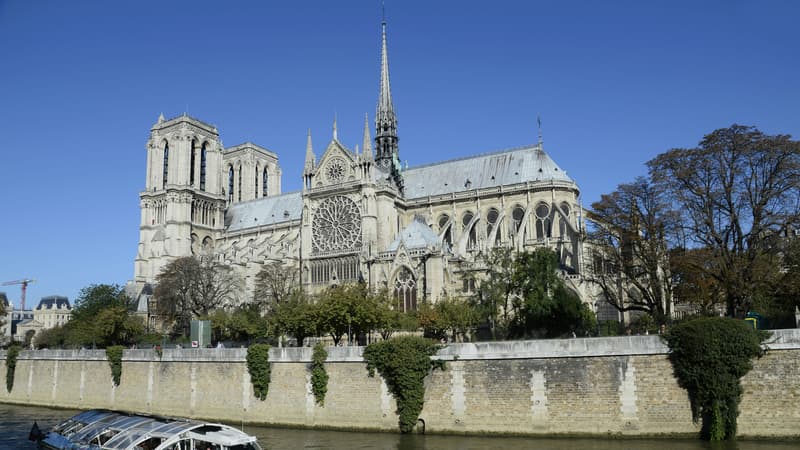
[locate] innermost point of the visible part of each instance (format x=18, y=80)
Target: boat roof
x=129, y=429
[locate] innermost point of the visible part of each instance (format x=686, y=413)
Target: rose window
x=337, y=225
x=335, y=170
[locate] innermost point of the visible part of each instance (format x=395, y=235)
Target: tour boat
x=106, y=430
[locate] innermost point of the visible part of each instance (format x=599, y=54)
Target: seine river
x=16, y=421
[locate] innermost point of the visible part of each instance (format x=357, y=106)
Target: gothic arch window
x=405, y=291
x=562, y=222
x=166, y=165
x=230, y=183
x=239, y=187
x=255, y=182
x=192, y=157
x=543, y=223
x=203, y=167
x=491, y=224
x=517, y=214
x=447, y=237
x=265, y=183
x=472, y=240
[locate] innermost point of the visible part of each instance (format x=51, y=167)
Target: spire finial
x=385, y=119
x=310, y=159
x=335, y=133
x=539, y=120
x=161, y=117
x=367, y=143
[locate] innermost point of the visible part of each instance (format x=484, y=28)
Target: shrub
x=114, y=356
x=709, y=355
x=319, y=377
x=11, y=364
x=258, y=366
x=403, y=362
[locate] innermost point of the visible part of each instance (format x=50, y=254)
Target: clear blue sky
x=82, y=82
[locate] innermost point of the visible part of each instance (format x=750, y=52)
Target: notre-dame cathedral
x=360, y=216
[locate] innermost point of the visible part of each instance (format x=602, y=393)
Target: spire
x=161, y=117
x=335, y=134
x=367, y=144
x=539, y=120
x=385, y=120
x=310, y=159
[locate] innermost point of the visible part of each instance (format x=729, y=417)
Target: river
x=16, y=421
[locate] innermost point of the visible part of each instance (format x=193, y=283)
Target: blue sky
x=616, y=83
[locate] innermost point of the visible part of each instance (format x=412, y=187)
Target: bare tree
x=275, y=284
x=629, y=248
x=190, y=287
x=736, y=193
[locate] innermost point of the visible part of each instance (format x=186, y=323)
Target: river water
x=16, y=421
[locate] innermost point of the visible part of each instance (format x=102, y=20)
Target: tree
x=101, y=317
x=190, y=287
x=524, y=296
x=451, y=317
x=390, y=319
x=629, y=248
x=275, y=283
x=736, y=193
x=244, y=323
x=296, y=317
x=347, y=309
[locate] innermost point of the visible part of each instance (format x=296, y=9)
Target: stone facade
x=620, y=386
x=360, y=216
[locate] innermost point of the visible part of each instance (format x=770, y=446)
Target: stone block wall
x=597, y=386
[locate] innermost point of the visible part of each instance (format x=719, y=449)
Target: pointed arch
x=165, y=176
x=445, y=229
x=265, y=182
x=230, y=183
x=203, y=166
x=192, y=159
x=405, y=290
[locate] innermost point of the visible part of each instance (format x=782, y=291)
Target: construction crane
x=24, y=284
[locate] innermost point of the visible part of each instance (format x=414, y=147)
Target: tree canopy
x=737, y=195
x=191, y=287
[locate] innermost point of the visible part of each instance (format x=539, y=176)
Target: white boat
x=106, y=430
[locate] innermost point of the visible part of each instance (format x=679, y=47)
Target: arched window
x=230, y=183
x=191, y=163
x=543, y=228
x=491, y=224
x=405, y=291
x=265, y=183
x=166, y=165
x=203, y=167
x=516, y=220
x=239, y=187
x=255, y=184
x=562, y=223
x=447, y=237
x=472, y=240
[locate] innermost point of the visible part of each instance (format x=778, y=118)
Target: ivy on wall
x=114, y=356
x=11, y=364
x=319, y=377
x=403, y=362
x=709, y=356
x=258, y=367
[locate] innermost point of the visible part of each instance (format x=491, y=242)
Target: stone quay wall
x=593, y=386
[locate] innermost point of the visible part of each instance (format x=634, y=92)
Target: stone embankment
x=595, y=386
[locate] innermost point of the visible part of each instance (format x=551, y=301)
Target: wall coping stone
x=786, y=339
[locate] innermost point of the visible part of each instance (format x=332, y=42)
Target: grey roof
x=505, y=167
x=416, y=235
x=53, y=301
x=264, y=211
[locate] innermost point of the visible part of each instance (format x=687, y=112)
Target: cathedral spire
x=366, y=151
x=310, y=159
x=335, y=133
x=386, y=139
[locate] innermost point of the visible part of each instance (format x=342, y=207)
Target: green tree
x=297, y=317
x=629, y=248
x=737, y=195
x=191, y=287
x=390, y=319
x=242, y=324
x=532, y=300
x=347, y=309
x=451, y=318
x=102, y=316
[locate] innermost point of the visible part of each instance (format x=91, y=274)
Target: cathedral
x=419, y=231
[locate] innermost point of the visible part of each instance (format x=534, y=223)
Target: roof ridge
x=479, y=155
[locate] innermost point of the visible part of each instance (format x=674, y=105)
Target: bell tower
x=183, y=204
